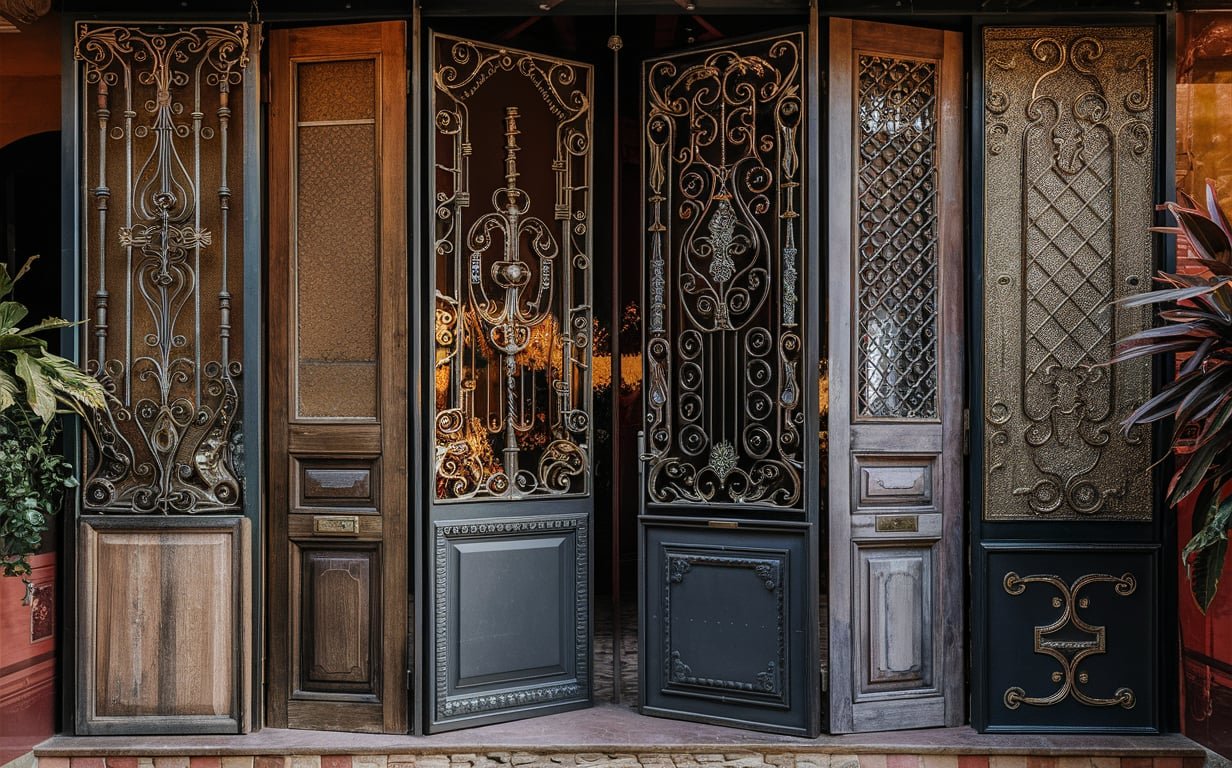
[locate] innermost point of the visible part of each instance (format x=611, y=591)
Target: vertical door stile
x=895, y=304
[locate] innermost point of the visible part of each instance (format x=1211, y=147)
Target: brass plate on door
x=897, y=524
x=336, y=525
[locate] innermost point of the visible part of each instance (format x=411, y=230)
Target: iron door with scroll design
x=511, y=499
x=730, y=490
x=896, y=368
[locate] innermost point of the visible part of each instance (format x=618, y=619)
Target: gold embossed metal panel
x=1069, y=165
x=509, y=372
x=161, y=163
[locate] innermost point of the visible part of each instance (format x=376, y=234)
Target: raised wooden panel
x=162, y=636
x=894, y=597
x=894, y=481
x=328, y=482
x=339, y=612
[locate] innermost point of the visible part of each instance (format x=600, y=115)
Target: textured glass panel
x=513, y=280
x=724, y=385
x=896, y=266
x=335, y=270
x=162, y=146
x=336, y=90
x=1068, y=188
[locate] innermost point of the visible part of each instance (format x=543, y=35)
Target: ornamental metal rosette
x=514, y=307
x=158, y=163
x=1069, y=153
x=723, y=154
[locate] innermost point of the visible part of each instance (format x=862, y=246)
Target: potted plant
x=35, y=386
x=1197, y=328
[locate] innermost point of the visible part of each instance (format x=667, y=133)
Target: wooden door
x=730, y=484
x=896, y=368
x=337, y=378
x=511, y=500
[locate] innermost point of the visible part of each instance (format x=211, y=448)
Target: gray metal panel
x=726, y=632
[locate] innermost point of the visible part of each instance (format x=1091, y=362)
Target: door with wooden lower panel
x=896, y=409
x=337, y=378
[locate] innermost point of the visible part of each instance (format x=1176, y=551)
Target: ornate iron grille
x=724, y=335
x=513, y=290
x=160, y=165
x=1069, y=156
x=896, y=270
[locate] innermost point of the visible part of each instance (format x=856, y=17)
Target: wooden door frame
x=393, y=396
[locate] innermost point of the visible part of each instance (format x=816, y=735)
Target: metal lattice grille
x=896, y=358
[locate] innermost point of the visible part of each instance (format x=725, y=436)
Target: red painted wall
x=29, y=104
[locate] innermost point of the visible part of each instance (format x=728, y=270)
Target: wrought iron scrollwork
x=1069, y=155
x=724, y=332
x=513, y=296
x=1070, y=640
x=160, y=168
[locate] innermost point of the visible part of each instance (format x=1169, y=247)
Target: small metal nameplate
x=723, y=524
x=897, y=524
x=336, y=525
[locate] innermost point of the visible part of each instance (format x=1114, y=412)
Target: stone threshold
x=618, y=736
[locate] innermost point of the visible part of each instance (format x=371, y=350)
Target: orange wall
x=30, y=80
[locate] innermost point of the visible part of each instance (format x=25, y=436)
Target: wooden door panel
x=896, y=370
x=338, y=450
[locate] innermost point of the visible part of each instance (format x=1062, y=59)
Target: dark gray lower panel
x=512, y=618
x=725, y=632
x=1070, y=638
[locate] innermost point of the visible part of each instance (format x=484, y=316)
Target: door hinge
x=966, y=440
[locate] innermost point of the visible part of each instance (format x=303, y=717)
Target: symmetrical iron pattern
x=897, y=238
x=513, y=290
x=1070, y=640
x=724, y=327
x=160, y=165
x=1069, y=173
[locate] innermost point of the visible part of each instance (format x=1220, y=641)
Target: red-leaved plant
x=1197, y=328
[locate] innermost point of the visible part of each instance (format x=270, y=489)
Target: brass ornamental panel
x=514, y=314
x=161, y=163
x=724, y=329
x=1069, y=150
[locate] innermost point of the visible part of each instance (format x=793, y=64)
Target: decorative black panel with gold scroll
x=510, y=506
x=725, y=319
x=513, y=307
x=161, y=258
x=1071, y=638
x=1069, y=168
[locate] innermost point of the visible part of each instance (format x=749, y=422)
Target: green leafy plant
x=1197, y=328
x=35, y=386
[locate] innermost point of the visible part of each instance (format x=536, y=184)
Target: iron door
x=730, y=488
x=510, y=502
x=895, y=301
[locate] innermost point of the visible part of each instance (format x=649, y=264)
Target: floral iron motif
x=513, y=295
x=1057, y=641
x=724, y=340
x=163, y=105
